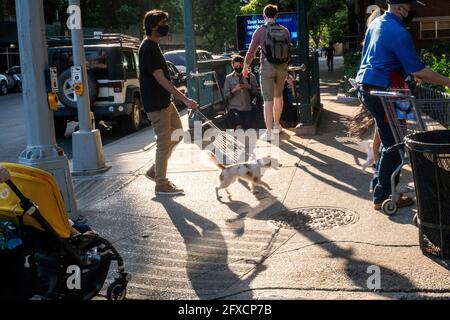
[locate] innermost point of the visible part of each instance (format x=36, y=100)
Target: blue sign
x=247, y=25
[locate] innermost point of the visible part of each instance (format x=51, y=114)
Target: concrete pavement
x=197, y=247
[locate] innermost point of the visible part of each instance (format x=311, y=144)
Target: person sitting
x=240, y=91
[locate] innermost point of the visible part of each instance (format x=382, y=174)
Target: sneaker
x=266, y=136
x=278, y=129
x=404, y=202
x=169, y=190
x=151, y=173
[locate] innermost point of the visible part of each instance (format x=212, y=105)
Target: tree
x=118, y=15
x=221, y=27
x=336, y=27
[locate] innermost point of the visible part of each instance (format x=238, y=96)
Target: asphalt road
x=13, y=131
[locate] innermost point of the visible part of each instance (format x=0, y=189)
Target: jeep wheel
x=66, y=92
x=60, y=127
x=3, y=88
x=132, y=122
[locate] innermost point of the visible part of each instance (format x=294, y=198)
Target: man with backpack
x=275, y=43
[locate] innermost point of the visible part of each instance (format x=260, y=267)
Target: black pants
x=389, y=162
x=330, y=62
x=242, y=119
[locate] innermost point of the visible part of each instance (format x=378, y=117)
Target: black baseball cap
x=413, y=2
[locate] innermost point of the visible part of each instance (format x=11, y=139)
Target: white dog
x=368, y=146
x=251, y=172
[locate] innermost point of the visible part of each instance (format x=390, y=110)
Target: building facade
x=431, y=25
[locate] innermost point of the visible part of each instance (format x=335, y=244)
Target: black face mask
x=239, y=70
x=163, y=31
x=411, y=15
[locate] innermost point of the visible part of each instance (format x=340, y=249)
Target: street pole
x=191, y=56
x=191, y=51
x=303, y=56
x=42, y=151
x=88, y=158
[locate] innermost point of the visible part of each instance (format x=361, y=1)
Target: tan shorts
x=273, y=79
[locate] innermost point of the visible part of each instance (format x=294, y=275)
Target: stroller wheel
x=389, y=207
x=117, y=291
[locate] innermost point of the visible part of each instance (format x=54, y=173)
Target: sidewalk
x=196, y=247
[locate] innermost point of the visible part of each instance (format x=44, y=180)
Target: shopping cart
x=407, y=115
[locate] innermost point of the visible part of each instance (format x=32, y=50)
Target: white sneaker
x=278, y=129
x=267, y=136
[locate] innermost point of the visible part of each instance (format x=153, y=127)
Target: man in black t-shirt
x=156, y=92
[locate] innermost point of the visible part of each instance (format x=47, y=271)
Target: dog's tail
x=211, y=158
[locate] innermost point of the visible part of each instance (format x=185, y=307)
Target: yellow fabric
x=41, y=188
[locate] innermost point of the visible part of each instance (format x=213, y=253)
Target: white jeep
x=113, y=77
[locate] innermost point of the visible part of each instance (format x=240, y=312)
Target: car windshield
x=178, y=59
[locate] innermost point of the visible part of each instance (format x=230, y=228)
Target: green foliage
x=220, y=28
x=336, y=26
x=256, y=6
x=126, y=16
x=352, y=63
x=119, y=15
x=439, y=62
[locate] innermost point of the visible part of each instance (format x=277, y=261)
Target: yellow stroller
x=63, y=267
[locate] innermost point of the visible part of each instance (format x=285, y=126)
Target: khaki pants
x=165, y=122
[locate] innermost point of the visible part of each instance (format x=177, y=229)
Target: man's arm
x=253, y=84
x=169, y=87
x=429, y=76
x=227, y=89
x=255, y=44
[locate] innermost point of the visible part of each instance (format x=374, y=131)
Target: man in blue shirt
x=388, y=48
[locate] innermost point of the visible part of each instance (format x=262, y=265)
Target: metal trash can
x=430, y=160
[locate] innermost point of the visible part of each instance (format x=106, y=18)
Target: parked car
x=11, y=81
x=179, y=80
x=113, y=77
x=178, y=58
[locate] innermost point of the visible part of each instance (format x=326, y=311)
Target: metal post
x=191, y=51
x=191, y=56
x=7, y=59
x=42, y=151
x=87, y=145
x=303, y=56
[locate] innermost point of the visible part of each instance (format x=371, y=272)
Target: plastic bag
x=404, y=111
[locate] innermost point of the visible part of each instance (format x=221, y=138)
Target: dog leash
x=225, y=142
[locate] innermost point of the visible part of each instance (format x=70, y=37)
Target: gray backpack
x=278, y=46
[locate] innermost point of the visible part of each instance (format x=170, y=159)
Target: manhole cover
x=308, y=219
